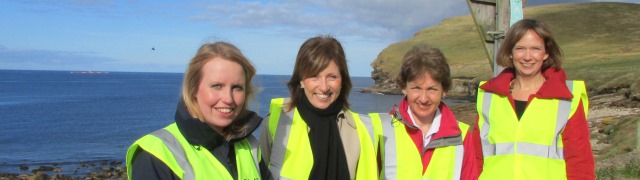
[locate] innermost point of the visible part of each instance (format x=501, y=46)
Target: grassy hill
x=600, y=43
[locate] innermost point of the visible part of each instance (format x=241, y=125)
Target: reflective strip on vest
x=174, y=146
x=255, y=151
x=389, y=160
x=411, y=165
x=369, y=126
x=279, y=146
x=531, y=147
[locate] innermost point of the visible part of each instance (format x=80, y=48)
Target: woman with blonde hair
x=211, y=137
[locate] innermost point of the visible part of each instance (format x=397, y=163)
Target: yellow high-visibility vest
x=190, y=162
x=401, y=160
x=532, y=147
x=291, y=156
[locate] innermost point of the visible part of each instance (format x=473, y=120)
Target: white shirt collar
x=435, y=126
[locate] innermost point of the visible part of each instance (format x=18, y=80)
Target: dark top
x=520, y=106
x=329, y=158
x=200, y=135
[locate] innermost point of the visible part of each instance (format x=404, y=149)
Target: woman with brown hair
x=421, y=138
x=532, y=121
x=313, y=134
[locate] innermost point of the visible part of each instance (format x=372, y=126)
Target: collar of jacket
x=199, y=133
x=448, y=123
x=554, y=87
x=342, y=116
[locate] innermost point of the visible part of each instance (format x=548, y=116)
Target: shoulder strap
x=255, y=151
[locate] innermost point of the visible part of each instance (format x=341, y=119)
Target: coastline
x=99, y=169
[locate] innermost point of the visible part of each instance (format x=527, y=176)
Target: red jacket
x=575, y=137
x=448, y=127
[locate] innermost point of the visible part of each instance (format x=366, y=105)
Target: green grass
x=631, y=170
x=623, y=139
x=600, y=43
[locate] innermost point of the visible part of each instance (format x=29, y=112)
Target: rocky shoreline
x=102, y=169
x=605, y=110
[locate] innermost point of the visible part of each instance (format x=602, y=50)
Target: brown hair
x=193, y=76
x=314, y=55
x=517, y=31
x=424, y=59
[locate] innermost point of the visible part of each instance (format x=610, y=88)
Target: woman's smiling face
x=423, y=95
x=324, y=88
x=221, y=92
x=529, y=54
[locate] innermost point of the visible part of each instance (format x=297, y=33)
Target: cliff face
x=582, y=30
x=386, y=84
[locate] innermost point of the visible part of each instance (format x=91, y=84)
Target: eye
x=238, y=88
x=215, y=86
x=538, y=49
x=333, y=77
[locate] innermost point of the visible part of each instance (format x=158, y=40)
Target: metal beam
x=485, y=1
x=492, y=19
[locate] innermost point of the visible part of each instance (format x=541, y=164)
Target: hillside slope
x=600, y=42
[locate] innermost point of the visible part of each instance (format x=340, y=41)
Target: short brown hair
x=314, y=55
x=193, y=76
x=424, y=59
x=517, y=31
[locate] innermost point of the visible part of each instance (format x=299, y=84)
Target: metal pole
x=503, y=9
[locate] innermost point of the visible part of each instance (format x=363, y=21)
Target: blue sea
x=66, y=118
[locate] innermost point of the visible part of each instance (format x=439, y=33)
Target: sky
x=106, y=35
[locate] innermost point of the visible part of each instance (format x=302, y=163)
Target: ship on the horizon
x=89, y=72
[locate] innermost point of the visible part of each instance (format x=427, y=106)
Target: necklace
x=511, y=86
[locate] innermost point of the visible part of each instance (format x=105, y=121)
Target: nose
x=227, y=96
x=324, y=85
x=424, y=97
x=528, y=55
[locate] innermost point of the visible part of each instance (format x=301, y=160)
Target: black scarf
x=329, y=159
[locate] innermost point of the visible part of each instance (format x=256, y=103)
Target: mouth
x=527, y=64
x=225, y=110
x=323, y=96
x=425, y=105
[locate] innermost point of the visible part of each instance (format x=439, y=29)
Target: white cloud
x=374, y=20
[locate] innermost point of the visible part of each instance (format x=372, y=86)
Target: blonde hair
x=193, y=76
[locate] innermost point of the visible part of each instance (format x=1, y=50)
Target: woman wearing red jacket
x=531, y=120
x=421, y=139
